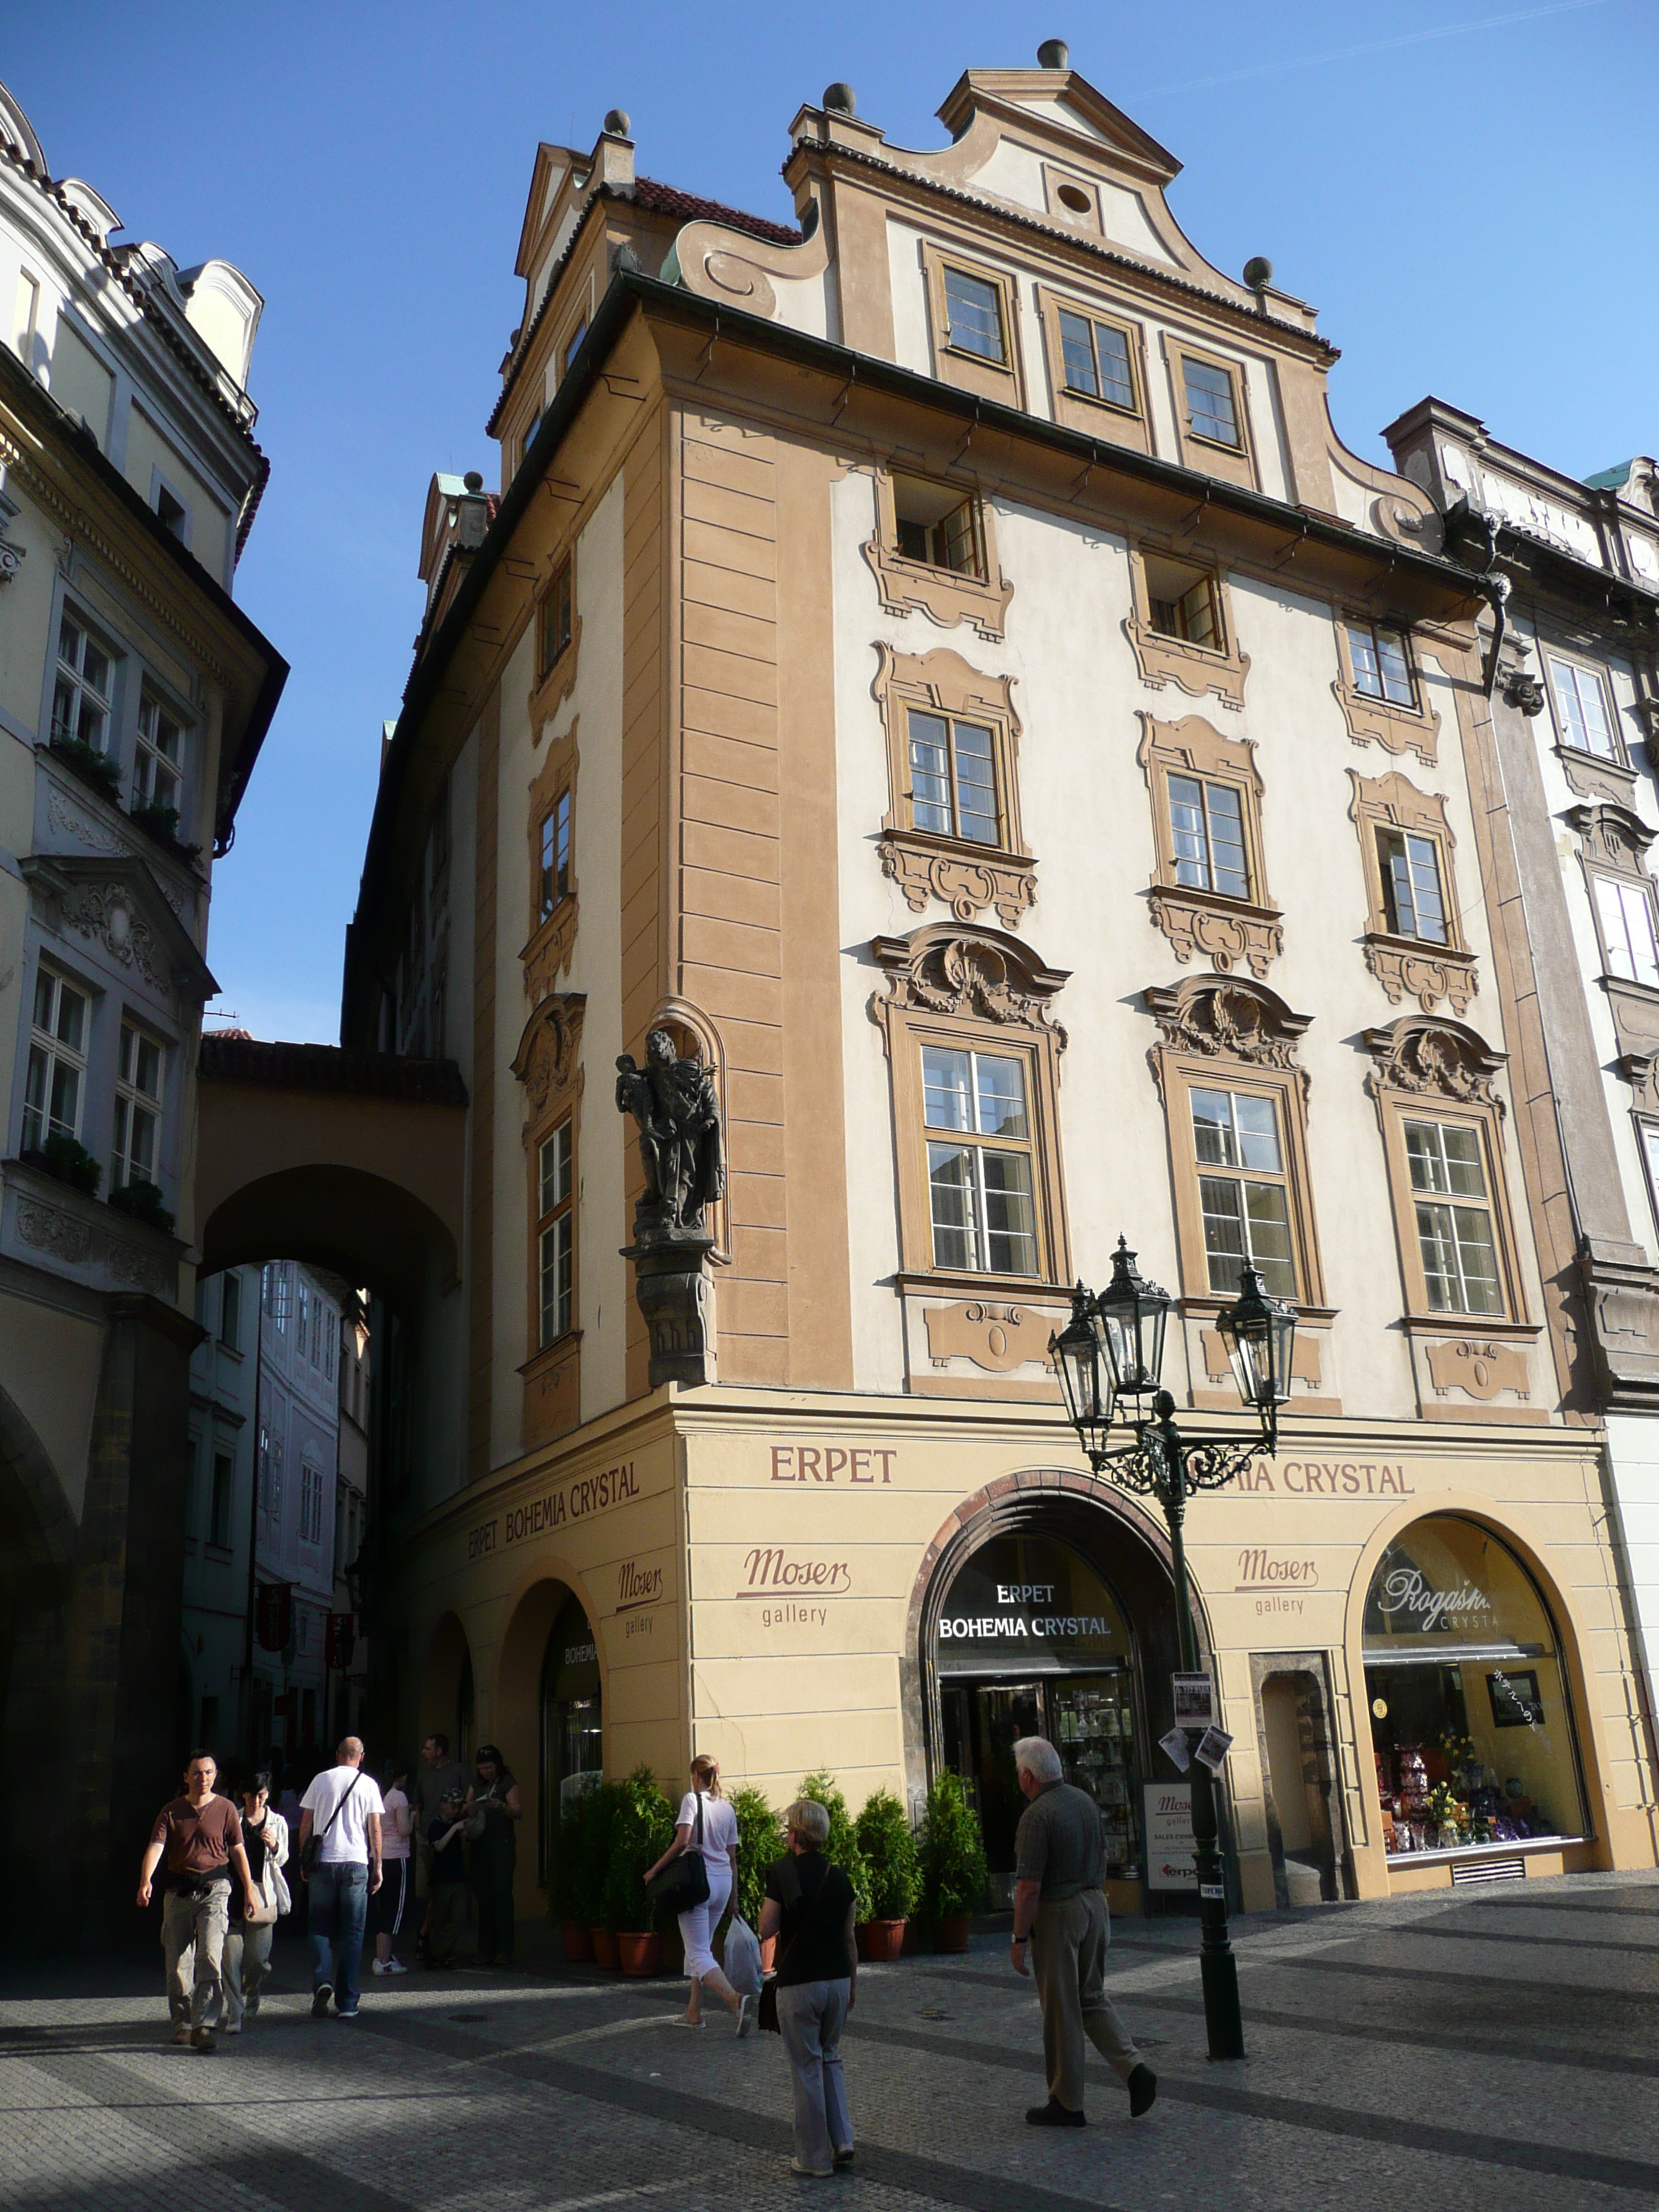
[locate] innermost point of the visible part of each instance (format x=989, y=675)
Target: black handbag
x=683, y=1884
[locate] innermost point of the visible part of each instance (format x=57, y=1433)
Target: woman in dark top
x=809, y=1907
x=495, y=1811
x=247, y=1948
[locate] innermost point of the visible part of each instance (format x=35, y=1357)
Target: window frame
x=229, y=1335
x=1599, y=876
x=145, y=750
x=549, y=1065
x=930, y=864
x=1002, y=381
x=128, y=1093
x=1093, y=412
x=219, y=1534
x=555, y=616
x=554, y=879
x=59, y=670
x=1225, y=928
x=562, y=1215
x=1452, y=1202
x=1228, y=1085
x=1553, y=656
x=1375, y=631
x=1426, y=969
x=981, y=1146
x=1397, y=728
x=51, y=1048
x=1162, y=658
x=1232, y=464
x=949, y=596
x=941, y=959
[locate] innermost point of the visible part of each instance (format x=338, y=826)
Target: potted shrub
x=761, y=1844
x=882, y=1829
x=142, y=1200
x=842, y=1848
x=599, y=1808
x=571, y=1881
x=954, y=1871
x=68, y=1159
x=95, y=769
x=642, y=1830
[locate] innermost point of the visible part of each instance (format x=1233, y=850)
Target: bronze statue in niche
x=680, y=1149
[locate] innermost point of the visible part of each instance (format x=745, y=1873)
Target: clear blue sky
x=1466, y=190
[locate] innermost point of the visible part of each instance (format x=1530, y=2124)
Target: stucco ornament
x=1227, y=1019
x=545, y=1062
x=69, y=823
x=1433, y=1059
x=49, y=1230
x=965, y=975
x=680, y=1141
x=101, y=910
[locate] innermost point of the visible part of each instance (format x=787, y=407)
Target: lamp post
x=1109, y=1358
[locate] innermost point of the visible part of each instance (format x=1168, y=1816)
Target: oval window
x=1074, y=196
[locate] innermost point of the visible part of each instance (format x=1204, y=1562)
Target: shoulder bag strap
x=699, y=1823
x=341, y=1806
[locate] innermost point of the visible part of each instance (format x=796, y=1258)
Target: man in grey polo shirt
x=1060, y=1913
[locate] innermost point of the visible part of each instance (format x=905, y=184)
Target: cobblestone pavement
x=1488, y=2049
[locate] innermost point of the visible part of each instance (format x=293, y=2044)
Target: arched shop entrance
x=571, y=1739
x=1471, y=1725
x=1058, y=1621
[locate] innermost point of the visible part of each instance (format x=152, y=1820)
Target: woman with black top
x=493, y=1812
x=809, y=1907
x=247, y=1946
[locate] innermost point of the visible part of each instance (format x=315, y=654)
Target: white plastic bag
x=743, y=1958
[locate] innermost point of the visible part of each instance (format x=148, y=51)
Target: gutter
x=629, y=288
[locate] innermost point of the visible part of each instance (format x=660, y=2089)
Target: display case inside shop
x=1471, y=1729
x=1094, y=1733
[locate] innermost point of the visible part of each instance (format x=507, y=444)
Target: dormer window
x=973, y=316
x=1211, y=411
x=1181, y=602
x=936, y=525
x=1095, y=358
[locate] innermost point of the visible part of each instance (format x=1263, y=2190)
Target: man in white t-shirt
x=342, y=1809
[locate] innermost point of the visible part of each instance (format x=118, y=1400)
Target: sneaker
x=233, y=2028
x=352, y=2015
x=202, y=2038
x=394, y=1967
x=1142, y=2091
x=181, y=2034
x=746, y=2014
x=321, y=1998
x=1054, y=2114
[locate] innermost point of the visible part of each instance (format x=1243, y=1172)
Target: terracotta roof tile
x=668, y=199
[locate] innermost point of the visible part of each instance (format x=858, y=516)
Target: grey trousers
x=247, y=1961
x=193, y=1942
x=811, y=2016
x=1068, y=1952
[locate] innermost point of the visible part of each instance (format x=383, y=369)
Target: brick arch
x=1011, y=1502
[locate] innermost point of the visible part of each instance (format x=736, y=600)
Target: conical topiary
x=953, y=1865
x=842, y=1848
x=884, y=1837
x=761, y=1842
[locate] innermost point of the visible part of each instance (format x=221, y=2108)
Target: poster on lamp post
x=1171, y=1860
x=1194, y=1700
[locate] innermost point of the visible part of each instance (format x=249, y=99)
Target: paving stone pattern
x=1488, y=2050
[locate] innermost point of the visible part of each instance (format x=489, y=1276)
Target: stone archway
x=449, y=1672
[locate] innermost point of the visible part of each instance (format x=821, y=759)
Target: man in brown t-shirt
x=202, y=1836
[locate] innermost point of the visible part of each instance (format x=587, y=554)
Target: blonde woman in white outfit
x=719, y=1847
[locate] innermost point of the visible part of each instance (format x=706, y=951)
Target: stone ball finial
x=1054, y=53
x=1258, y=271
x=473, y=480
x=841, y=100
x=617, y=124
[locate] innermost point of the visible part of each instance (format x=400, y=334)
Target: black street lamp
x=1109, y=1357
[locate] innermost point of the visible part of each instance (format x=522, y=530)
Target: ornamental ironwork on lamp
x=1259, y=1335
x=1085, y=1372
x=1132, y=1315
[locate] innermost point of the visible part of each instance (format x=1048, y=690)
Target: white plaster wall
x=804, y=303
x=1013, y=172
x=913, y=344
x=1088, y=820
x=510, y=1316
x=1128, y=223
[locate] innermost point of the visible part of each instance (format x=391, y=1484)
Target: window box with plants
x=160, y=824
x=93, y=767
x=67, y=1160
x=890, y=1852
x=142, y=1201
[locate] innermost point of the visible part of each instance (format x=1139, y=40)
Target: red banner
x=273, y=1614
x=339, y=1639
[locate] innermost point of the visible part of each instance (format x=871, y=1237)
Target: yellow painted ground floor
x=1417, y=1635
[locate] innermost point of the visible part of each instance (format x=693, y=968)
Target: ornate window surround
x=1612, y=846
x=548, y=1063
x=948, y=596
x=1099, y=418
x=1410, y=965
x=1589, y=774
x=552, y=686
x=971, y=372
x=1196, y=669
x=964, y=876
x=547, y=953
x=1374, y=721
x=1434, y=1066
x=1217, y=1027
x=977, y=989
x=1233, y=463
x=1226, y=931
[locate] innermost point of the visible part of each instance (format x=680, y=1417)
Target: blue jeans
x=338, y=1907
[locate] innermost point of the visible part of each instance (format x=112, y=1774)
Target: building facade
x=1576, y=712
x=224, y=1397
x=134, y=697
x=940, y=663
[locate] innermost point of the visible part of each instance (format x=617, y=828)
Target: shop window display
x=1470, y=1721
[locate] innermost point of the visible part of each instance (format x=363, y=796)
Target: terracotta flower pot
x=951, y=1933
x=606, y=1952
x=578, y=1943
x=880, y=1941
x=641, y=1954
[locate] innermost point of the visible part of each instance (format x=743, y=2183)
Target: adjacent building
x=134, y=697
x=937, y=661
x=215, y=1658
